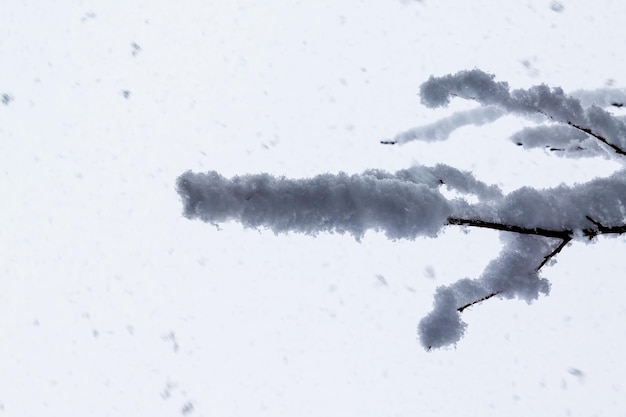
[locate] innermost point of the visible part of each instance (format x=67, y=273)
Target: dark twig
x=564, y=234
x=566, y=237
x=555, y=252
x=601, y=229
x=558, y=249
x=559, y=234
x=486, y=297
x=597, y=223
x=599, y=137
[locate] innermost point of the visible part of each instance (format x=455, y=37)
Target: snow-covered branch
x=535, y=225
x=401, y=205
x=498, y=99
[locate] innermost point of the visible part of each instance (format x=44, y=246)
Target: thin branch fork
x=600, y=229
x=555, y=252
x=565, y=236
x=547, y=258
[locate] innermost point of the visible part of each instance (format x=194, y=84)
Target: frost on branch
x=513, y=274
x=534, y=224
x=441, y=129
x=406, y=204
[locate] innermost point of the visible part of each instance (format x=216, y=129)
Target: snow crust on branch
x=579, y=113
x=534, y=224
x=481, y=87
x=441, y=129
x=562, y=208
x=513, y=274
x=404, y=205
x=602, y=97
x=562, y=140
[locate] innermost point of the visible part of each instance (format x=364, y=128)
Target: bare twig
x=601, y=229
x=599, y=137
x=565, y=236
x=555, y=252
x=486, y=297
x=592, y=220
x=559, y=234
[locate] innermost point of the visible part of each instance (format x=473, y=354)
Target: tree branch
x=555, y=252
x=566, y=236
x=558, y=234
x=486, y=297
x=600, y=229
x=597, y=136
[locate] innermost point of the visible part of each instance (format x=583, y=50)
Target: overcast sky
x=113, y=303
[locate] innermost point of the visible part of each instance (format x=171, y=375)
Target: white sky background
x=114, y=304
